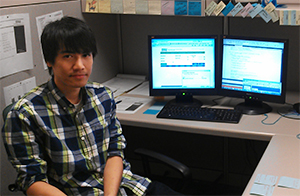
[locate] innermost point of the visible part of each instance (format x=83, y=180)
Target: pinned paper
x=116, y=6
x=211, y=8
x=297, y=17
x=253, y=12
x=129, y=6
x=221, y=5
x=264, y=15
x=274, y=16
x=104, y=6
x=237, y=8
x=246, y=10
x=270, y=7
x=287, y=182
x=180, y=7
x=195, y=7
x=154, y=7
x=167, y=7
x=227, y=9
x=292, y=17
x=141, y=7
x=92, y=6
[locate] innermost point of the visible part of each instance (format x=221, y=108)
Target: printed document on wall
x=15, y=44
x=42, y=21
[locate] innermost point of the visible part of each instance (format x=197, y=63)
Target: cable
x=273, y=123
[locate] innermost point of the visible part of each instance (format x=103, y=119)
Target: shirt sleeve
x=117, y=140
x=23, y=148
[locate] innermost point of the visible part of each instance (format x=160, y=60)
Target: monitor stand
x=185, y=100
x=253, y=107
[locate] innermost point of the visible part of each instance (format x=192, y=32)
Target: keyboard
x=191, y=112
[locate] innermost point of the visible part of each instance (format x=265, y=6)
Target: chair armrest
x=183, y=169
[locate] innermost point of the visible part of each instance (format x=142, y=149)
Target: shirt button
x=82, y=138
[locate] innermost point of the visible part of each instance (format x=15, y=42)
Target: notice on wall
x=42, y=21
x=15, y=44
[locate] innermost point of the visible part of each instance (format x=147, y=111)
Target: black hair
x=70, y=34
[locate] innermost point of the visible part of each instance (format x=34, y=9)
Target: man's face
x=71, y=70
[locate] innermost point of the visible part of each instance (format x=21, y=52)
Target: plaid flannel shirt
x=47, y=139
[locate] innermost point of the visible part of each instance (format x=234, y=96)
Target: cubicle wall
x=107, y=64
x=122, y=46
x=136, y=28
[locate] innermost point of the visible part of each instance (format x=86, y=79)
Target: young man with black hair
x=63, y=137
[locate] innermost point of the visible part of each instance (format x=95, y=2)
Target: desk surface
x=282, y=156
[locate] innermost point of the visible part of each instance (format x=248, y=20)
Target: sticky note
x=154, y=7
x=211, y=8
x=237, y=8
x=129, y=6
x=167, y=7
x=195, y=7
x=264, y=15
x=180, y=7
x=227, y=9
x=266, y=179
x=246, y=9
x=141, y=7
x=104, y=6
x=287, y=182
x=116, y=6
x=253, y=12
x=220, y=6
x=262, y=190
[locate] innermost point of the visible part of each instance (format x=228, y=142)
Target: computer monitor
x=254, y=69
x=182, y=66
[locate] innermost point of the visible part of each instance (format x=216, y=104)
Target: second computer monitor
x=254, y=69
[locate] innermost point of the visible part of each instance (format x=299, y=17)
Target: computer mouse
x=296, y=106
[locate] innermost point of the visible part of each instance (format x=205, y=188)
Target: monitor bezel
x=251, y=95
x=180, y=92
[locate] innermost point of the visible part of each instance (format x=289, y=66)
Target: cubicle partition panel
x=136, y=28
x=34, y=8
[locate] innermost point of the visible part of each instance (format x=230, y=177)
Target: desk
x=281, y=158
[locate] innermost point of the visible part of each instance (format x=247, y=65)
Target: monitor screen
x=182, y=66
x=254, y=69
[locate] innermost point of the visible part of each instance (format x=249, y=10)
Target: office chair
x=145, y=155
x=11, y=187
x=185, y=171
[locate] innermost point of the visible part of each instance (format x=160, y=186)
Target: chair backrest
x=6, y=110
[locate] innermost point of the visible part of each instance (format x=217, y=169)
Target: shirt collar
x=60, y=97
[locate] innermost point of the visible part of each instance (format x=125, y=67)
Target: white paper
x=42, y=21
x=130, y=105
x=122, y=83
x=287, y=182
x=15, y=44
x=142, y=89
x=266, y=179
x=14, y=92
x=262, y=190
